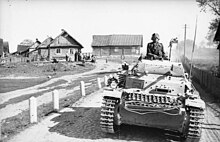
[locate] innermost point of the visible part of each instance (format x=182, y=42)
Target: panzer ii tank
x=153, y=94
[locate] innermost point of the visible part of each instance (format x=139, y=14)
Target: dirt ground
x=80, y=122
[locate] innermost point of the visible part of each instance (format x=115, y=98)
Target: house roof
x=117, y=40
x=45, y=43
x=27, y=42
x=65, y=40
x=34, y=46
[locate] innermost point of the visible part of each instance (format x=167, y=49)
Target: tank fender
x=197, y=103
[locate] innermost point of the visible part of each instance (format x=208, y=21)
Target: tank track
x=196, y=117
x=107, y=115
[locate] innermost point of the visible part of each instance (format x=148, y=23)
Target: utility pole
x=184, y=50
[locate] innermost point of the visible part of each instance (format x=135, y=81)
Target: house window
x=133, y=50
x=116, y=49
x=58, y=50
x=71, y=51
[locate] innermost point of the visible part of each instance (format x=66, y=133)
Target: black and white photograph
x=109, y=71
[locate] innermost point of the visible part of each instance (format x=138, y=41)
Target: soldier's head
x=155, y=37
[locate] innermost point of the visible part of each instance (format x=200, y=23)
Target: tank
x=153, y=94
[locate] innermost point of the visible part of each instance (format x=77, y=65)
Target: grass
x=59, y=82
x=7, y=85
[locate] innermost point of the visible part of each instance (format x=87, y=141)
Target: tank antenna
x=190, y=73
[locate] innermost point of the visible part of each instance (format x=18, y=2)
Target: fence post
x=33, y=109
x=106, y=80
x=56, y=100
x=99, y=83
x=82, y=88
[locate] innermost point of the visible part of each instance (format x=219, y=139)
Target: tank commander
x=155, y=49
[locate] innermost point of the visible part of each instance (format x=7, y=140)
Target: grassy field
x=7, y=85
x=40, y=71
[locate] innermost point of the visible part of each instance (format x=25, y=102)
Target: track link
x=196, y=117
x=107, y=115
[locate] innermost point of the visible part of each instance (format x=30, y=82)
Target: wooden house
x=23, y=46
x=43, y=48
x=106, y=45
x=30, y=50
x=4, y=48
x=1, y=47
x=60, y=47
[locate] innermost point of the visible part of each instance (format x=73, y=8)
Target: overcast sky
x=31, y=19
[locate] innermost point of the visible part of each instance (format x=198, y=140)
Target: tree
x=214, y=7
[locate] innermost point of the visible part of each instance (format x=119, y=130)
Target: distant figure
x=155, y=49
x=67, y=57
x=140, y=58
x=93, y=59
x=79, y=56
x=125, y=66
x=54, y=60
x=76, y=56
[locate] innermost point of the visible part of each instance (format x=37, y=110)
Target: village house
x=60, y=47
x=23, y=46
x=30, y=50
x=106, y=45
x=43, y=48
x=1, y=47
x=4, y=48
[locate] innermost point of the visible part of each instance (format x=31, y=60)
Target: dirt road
x=81, y=123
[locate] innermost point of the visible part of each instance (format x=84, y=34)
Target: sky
x=31, y=19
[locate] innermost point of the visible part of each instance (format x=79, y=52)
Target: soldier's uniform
x=155, y=49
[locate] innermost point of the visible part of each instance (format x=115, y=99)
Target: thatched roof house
x=24, y=45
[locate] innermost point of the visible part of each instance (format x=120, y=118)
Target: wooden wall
x=210, y=82
x=106, y=51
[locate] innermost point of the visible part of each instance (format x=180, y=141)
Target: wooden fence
x=204, y=78
x=14, y=59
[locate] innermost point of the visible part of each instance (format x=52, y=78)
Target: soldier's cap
x=155, y=35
